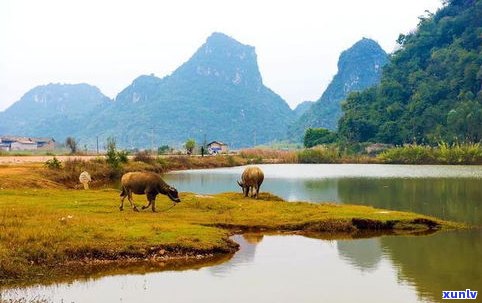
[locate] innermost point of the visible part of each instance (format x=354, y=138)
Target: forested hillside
x=359, y=67
x=218, y=94
x=431, y=89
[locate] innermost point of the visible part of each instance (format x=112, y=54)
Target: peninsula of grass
x=47, y=232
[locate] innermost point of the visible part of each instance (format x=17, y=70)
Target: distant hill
x=431, y=89
x=359, y=67
x=302, y=108
x=51, y=110
x=218, y=94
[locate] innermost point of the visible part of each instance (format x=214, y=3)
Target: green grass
x=42, y=228
x=49, y=230
x=457, y=153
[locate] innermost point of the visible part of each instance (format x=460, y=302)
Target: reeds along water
x=444, y=153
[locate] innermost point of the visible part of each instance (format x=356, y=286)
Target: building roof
x=217, y=142
x=25, y=142
x=25, y=139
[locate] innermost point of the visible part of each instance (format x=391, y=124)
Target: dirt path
x=39, y=159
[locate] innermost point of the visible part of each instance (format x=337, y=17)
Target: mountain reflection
x=247, y=251
x=445, y=198
x=441, y=194
x=443, y=261
x=363, y=254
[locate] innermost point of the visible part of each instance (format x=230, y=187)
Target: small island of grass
x=47, y=232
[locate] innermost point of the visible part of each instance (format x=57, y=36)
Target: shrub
x=53, y=163
x=320, y=155
x=408, y=154
x=123, y=156
x=113, y=157
x=318, y=136
x=468, y=153
x=144, y=156
x=164, y=149
x=444, y=153
x=68, y=175
x=262, y=155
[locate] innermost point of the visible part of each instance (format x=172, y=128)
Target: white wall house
x=23, y=145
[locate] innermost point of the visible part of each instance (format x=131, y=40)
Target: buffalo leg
x=123, y=196
x=148, y=203
x=121, y=206
x=150, y=197
x=131, y=201
x=245, y=191
x=153, y=201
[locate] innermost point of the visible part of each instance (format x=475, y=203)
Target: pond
x=447, y=192
x=280, y=268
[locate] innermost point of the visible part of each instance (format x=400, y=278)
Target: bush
x=68, y=175
x=53, y=163
x=113, y=157
x=122, y=155
x=320, y=155
x=164, y=149
x=318, y=136
x=466, y=153
x=408, y=154
x=267, y=155
x=144, y=156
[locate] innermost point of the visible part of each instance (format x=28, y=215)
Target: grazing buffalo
x=251, y=180
x=147, y=183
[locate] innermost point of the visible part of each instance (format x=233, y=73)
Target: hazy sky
x=109, y=43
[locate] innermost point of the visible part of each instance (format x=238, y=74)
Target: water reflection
x=443, y=261
x=267, y=269
x=247, y=250
x=450, y=199
x=364, y=254
x=447, y=192
x=299, y=269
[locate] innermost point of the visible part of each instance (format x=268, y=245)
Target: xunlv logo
x=451, y=294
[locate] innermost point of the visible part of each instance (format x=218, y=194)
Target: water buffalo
x=147, y=183
x=251, y=180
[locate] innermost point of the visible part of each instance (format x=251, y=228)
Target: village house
x=9, y=143
x=217, y=147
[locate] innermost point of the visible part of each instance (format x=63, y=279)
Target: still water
x=447, y=192
x=276, y=268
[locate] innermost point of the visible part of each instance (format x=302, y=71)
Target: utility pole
x=203, y=148
x=152, y=139
x=97, y=138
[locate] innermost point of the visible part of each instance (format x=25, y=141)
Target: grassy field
x=49, y=228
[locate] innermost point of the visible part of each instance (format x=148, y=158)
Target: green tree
x=190, y=145
x=113, y=157
x=317, y=136
x=431, y=90
x=164, y=149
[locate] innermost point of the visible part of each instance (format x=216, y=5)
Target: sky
x=109, y=43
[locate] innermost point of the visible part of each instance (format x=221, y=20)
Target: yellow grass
x=46, y=227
